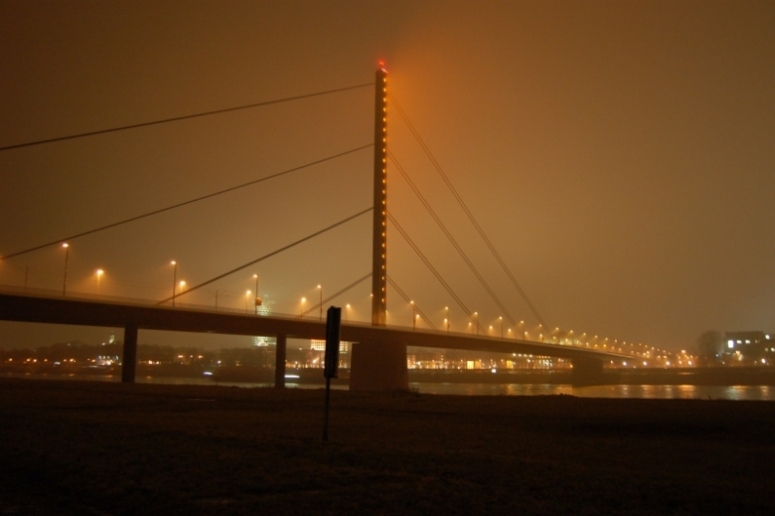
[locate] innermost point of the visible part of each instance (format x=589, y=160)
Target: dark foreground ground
x=95, y=448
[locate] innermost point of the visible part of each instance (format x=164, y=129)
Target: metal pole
x=281, y=350
x=328, y=396
x=64, y=280
x=256, y=300
x=174, y=280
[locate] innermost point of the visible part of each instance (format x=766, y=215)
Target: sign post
x=331, y=365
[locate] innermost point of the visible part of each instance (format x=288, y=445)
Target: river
x=712, y=392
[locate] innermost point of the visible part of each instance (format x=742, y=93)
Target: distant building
x=749, y=346
x=264, y=309
x=264, y=342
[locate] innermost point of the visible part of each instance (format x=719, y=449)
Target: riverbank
x=105, y=448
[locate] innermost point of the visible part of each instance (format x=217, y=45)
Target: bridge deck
x=59, y=310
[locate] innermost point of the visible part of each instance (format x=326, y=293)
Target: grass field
x=91, y=448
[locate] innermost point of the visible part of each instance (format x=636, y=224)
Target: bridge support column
x=378, y=366
x=587, y=371
x=279, y=361
x=129, y=364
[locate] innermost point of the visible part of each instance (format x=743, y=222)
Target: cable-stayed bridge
x=381, y=343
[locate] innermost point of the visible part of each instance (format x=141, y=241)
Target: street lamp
x=66, y=246
x=174, y=279
x=476, y=315
x=100, y=272
x=346, y=312
x=446, y=317
x=255, y=277
x=301, y=311
x=501, y=319
x=180, y=286
x=321, y=301
x=414, y=319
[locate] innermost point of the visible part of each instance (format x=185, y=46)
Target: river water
x=713, y=392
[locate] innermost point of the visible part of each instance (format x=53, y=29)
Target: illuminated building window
x=320, y=345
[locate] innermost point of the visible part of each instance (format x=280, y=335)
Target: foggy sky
x=619, y=155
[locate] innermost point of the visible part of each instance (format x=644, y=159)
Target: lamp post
x=181, y=284
x=255, y=277
x=174, y=279
x=501, y=319
x=346, y=312
x=100, y=272
x=414, y=319
x=321, y=301
x=446, y=317
x=476, y=320
x=301, y=311
x=66, y=246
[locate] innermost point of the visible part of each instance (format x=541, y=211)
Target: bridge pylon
x=379, y=235
x=379, y=364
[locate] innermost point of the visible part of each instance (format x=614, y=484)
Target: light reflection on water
x=713, y=392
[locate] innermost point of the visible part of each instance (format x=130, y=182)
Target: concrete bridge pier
x=129, y=363
x=378, y=366
x=587, y=371
x=279, y=361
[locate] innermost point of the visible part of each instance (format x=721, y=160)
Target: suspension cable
x=185, y=117
x=179, y=205
x=409, y=300
x=463, y=205
x=278, y=251
x=334, y=295
x=433, y=270
x=451, y=238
